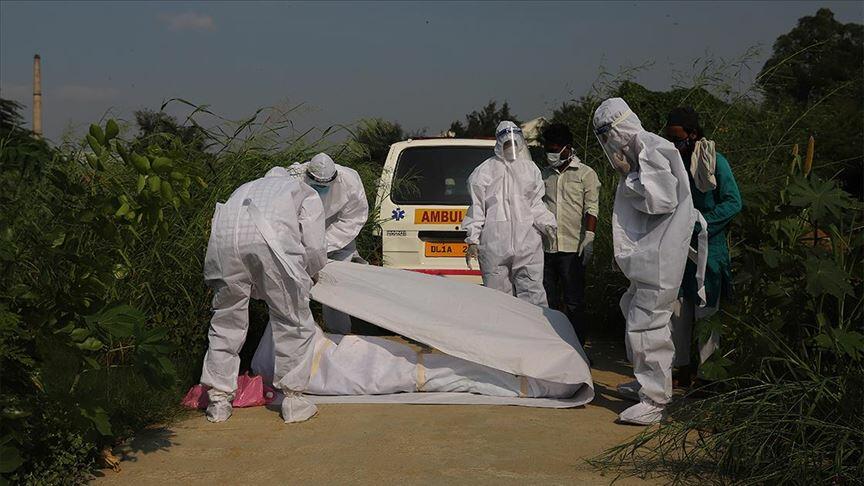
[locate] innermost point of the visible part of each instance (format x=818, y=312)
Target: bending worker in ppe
x=507, y=217
x=716, y=196
x=266, y=242
x=346, y=211
x=652, y=223
x=572, y=195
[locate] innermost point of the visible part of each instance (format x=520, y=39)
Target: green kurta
x=718, y=207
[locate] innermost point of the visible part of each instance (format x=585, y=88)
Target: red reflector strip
x=430, y=271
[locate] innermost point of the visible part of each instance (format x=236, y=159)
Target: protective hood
x=615, y=126
x=510, y=144
x=321, y=170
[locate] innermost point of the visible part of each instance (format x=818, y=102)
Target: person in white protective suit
x=507, y=218
x=652, y=224
x=266, y=242
x=346, y=211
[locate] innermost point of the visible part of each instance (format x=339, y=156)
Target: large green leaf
x=820, y=197
x=119, y=321
x=90, y=344
x=825, y=276
x=10, y=459
x=99, y=418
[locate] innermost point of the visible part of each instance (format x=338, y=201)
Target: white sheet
x=443, y=398
x=463, y=320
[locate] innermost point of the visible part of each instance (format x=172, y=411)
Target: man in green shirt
x=572, y=193
x=716, y=196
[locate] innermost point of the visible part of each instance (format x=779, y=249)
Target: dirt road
x=388, y=444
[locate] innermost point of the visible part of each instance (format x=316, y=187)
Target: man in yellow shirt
x=572, y=193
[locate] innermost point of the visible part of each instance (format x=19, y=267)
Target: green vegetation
x=103, y=312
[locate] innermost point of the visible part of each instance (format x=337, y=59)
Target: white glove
x=586, y=248
x=550, y=235
x=472, y=252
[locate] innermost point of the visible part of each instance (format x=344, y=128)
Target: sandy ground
x=389, y=444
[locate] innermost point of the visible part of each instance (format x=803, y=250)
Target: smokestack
x=37, y=95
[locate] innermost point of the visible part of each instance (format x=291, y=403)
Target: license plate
x=434, y=250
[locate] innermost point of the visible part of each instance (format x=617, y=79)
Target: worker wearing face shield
x=652, y=223
x=507, y=220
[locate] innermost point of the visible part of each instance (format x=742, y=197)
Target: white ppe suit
x=652, y=225
x=346, y=211
x=507, y=217
x=265, y=243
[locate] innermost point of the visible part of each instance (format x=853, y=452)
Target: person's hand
x=472, y=252
x=550, y=236
x=586, y=248
x=315, y=278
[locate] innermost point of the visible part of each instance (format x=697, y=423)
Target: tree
x=813, y=59
x=484, y=122
x=376, y=135
x=9, y=116
x=153, y=125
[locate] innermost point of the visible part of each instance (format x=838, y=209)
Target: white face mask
x=554, y=159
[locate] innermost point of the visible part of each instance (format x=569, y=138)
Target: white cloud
x=188, y=21
x=83, y=94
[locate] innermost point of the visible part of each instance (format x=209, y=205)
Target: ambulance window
x=436, y=175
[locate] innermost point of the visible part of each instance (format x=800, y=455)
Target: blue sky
x=422, y=64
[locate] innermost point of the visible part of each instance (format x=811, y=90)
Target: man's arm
x=592, y=201
x=311, y=219
x=543, y=218
x=475, y=218
x=727, y=198
x=351, y=218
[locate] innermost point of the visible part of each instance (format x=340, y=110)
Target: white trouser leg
x=291, y=324
x=227, y=334
x=707, y=348
x=682, y=320
x=648, y=312
x=528, y=283
x=497, y=277
x=335, y=321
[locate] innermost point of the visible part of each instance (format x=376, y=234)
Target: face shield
x=510, y=143
x=613, y=142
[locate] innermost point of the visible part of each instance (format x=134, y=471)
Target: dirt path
x=388, y=444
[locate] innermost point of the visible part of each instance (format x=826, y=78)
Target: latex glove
x=620, y=163
x=550, y=236
x=586, y=248
x=472, y=252
x=315, y=278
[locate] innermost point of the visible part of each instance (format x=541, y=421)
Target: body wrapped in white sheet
x=494, y=345
x=369, y=365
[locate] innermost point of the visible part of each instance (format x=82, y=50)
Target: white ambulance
x=424, y=196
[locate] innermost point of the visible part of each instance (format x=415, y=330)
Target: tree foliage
x=374, y=137
x=483, y=123
x=814, y=58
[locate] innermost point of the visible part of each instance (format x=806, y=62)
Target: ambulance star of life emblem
x=398, y=214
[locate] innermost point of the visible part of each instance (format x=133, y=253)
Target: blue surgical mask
x=321, y=190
